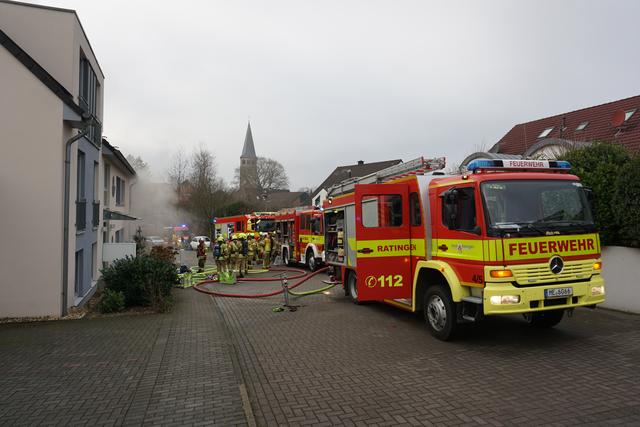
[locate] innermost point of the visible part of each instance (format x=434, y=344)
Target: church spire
x=248, y=151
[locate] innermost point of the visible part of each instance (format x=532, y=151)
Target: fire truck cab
x=255, y=222
x=300, y=236
x=508, y=237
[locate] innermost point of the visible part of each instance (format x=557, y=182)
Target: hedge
x=613, y=174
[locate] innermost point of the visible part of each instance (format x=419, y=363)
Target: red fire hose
x=198, y=286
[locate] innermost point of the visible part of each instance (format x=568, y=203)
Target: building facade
x=118, y=179
x=50, y=125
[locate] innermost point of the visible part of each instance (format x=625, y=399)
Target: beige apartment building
x=118, y=179
x=50, y=130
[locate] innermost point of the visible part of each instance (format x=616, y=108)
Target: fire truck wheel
x=544, y=319
x=440, y=313
x=352, y=288
x=311, y=260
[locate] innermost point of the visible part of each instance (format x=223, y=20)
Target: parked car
x=154, y=240
x=196, y=240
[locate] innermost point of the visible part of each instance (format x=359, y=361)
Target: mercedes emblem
x=556, y=265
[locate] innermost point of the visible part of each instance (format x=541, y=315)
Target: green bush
x=111, y=301
x=627, y=201
x=612, y=173
x=144, y=281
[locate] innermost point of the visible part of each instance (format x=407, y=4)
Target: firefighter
x=260, y=249
x=233, y=252
x=251, y=251
x=218, y=254
x=243, y=250
x=268, y=242
x=202, y=255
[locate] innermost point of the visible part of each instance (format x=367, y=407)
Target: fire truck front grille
x=534, y=274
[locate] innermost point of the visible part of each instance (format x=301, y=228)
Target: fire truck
x=300, y=236
x=255, y=222
x=507, y=237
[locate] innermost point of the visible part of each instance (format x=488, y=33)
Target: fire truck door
x=383, y=241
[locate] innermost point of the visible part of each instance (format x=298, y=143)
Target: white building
x=50, y=126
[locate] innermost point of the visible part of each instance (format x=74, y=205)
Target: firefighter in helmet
x=219, y=254
x=233, y=252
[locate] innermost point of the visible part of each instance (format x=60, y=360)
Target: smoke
x=156, y=204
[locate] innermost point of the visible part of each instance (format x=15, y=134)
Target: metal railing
x=81, y=215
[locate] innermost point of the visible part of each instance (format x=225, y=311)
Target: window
x=462, y=210
x=96, y=180
x=79, y=282
x=88, y=94
x=414, y=209
x=316, y=226
x=545, y=132
x=107, y=179
x=582, y=126
x=80, y=190
x=628, y=114
x=382, y=211
x=81, y=203
x=305, y=222
x=120, y=236
x=120, y=191
x=94, y=261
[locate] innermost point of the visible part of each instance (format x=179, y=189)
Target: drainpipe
x=65, y=236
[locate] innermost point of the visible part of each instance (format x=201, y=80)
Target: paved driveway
x=235, y=361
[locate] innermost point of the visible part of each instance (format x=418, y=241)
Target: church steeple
x=248, y=151
x=249, y=168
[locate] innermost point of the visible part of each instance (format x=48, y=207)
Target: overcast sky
x=328, y=83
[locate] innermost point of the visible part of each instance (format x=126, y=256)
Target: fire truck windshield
x=536, y=207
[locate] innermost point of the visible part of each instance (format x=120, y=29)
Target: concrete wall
x=621, y=270
x=31, y=185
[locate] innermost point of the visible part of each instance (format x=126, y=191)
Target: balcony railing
x=81, y=215
x=96, y=215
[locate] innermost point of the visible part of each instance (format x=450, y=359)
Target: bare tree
x=208, y=195
x=178, y=170
x=271, y=176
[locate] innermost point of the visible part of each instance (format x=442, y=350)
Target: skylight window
x=628, y=114
x=582, y=125
x=545, y=132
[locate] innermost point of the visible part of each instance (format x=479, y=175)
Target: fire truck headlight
x=505, y=299
x=501, y=274
x=597, y=290
x=597, y=265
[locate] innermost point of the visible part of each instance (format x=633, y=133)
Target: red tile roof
x=524, y=135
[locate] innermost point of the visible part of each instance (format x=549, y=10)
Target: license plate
x=558, y=292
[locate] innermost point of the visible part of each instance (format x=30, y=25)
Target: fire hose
x=302, y=274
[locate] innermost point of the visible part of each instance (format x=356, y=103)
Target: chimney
x=360, y=162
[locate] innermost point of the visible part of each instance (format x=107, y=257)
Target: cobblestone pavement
x=170, y=369
x=334, y=363
x=328, y=363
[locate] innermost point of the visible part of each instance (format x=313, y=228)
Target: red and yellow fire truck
x=255, y=222
x=508, y=237
x=300, y=236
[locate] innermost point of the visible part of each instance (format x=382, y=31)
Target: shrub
x=627, y=202
x=165, y=253
x=612, y=173
x=144, y=281
x=111, y=301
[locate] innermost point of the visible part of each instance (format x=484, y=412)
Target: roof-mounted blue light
x=517, y=164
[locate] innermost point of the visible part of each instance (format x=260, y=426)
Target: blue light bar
x=515, y=164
